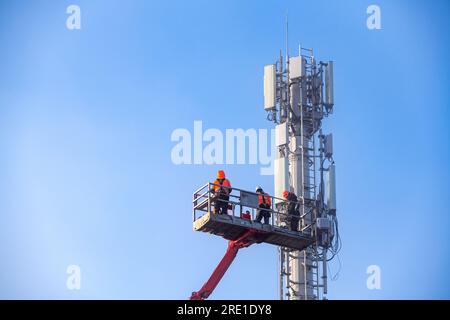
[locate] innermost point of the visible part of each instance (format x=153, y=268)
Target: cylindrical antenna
x=288, y=98
x=287, y=37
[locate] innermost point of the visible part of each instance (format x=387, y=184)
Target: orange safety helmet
x=220, y=174
x=285, y=194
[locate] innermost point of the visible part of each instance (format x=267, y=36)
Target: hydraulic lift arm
x=247, y=239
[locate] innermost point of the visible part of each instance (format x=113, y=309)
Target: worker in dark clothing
x=264, y=206
x=222, y=190
x=293, y=212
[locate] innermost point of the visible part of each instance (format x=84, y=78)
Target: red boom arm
x=232, y=250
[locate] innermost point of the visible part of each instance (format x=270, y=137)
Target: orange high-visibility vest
x=264, y=198
x=225, y=183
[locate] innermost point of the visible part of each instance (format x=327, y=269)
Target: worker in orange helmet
x=293, y=212
x=222, y=189
x=264, y=205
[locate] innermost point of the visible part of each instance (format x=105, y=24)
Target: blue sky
x=86, y=118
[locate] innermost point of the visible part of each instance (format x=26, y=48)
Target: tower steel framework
x=298, y=95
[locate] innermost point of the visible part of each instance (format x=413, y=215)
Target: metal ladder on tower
x=308, y=153
x=315, y=263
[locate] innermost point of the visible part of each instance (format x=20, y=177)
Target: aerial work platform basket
x=235, y=223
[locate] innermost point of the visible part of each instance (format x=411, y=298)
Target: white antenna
x=287, y=37
x=288, y=98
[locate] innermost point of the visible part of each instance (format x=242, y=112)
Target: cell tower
x=298, y=95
